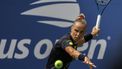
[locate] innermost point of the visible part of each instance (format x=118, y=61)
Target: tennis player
x=66, y=48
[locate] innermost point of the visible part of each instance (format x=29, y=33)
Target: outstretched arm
x=72, y=52
x=76, y=54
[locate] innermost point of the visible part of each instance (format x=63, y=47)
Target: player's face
x=77, y=30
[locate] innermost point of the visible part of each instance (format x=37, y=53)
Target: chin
x=76, y=39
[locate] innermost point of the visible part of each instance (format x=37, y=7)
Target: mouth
x=76, y=38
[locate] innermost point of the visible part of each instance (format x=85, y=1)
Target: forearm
x=72, y=52
x=86, y=38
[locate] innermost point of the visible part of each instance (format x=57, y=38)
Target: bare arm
x=72, y=52
x=75, y=54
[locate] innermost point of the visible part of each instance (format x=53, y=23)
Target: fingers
x=96, y=27
x=95, y=31
x=92, y=64
x=87, y=61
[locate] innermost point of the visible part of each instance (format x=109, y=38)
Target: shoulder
x=66, y=36
x=64, y=40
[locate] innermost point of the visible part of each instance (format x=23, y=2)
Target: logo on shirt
x=70, y=43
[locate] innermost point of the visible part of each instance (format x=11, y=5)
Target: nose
x=78, y=33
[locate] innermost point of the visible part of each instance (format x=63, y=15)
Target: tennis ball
x=58, y=64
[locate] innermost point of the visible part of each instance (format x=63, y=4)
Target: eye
x=81, y=32
x=76, y=30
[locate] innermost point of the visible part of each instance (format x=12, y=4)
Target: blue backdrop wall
x=29, y=29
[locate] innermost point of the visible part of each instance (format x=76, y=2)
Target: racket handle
x=98, y=21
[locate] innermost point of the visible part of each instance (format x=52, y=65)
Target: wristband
x=88, y=37
x=81, y=57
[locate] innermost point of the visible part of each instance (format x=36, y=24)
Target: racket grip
x=98, y=21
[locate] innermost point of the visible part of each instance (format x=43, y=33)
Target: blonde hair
x=81, y=19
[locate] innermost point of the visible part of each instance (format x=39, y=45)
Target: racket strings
x=101, y=5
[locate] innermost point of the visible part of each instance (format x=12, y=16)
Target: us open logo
x=60, y=13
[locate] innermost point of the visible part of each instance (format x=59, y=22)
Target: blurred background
x=30, y=28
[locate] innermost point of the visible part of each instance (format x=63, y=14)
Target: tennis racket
x=101, y=6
